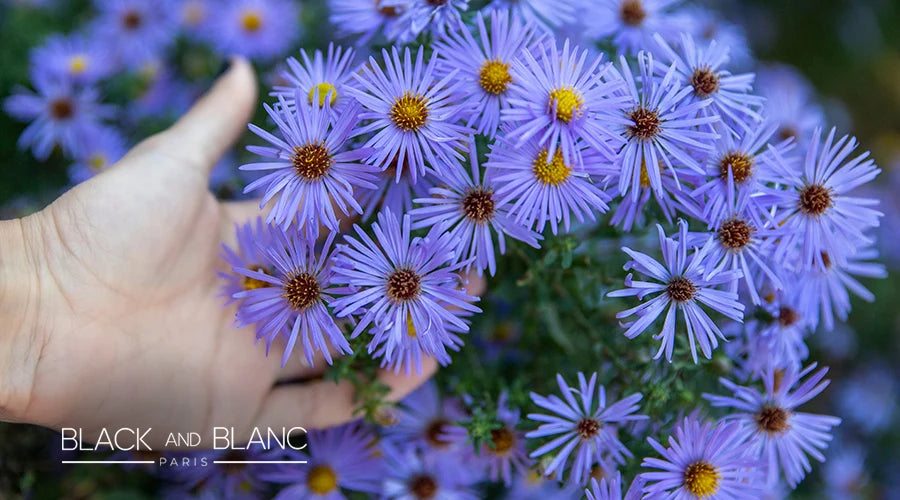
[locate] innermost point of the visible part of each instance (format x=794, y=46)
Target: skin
x=109, y=307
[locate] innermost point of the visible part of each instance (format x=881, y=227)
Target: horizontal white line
x=259, y=461
x=108, y=462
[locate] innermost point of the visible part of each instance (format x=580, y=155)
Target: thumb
x=214, y=122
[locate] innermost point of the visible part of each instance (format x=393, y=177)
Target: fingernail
x=226, y=64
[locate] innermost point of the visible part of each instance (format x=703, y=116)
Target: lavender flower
x=413, y=475
x=258, y=29
x=545, y=13
x=484, y=65
x=74, y=58
x=775, y=431
x=546, y=188
x=253, y=239
x=562, y=99
x=423, y=420
x=195, y=17
x=60, y=115
x=468, y=206
x=685, y=285
x=102, y=148
x=790, y=103
x=421, y=14
x=329, y=74
x=313, y=172
x=413, y=113
x=395, y=195
x=582, y=427
x=403, y=282
x=294, y=298
x=704, y=461
x=611, y=489
x=366, y=18
x=632, y=23
x=137, y=30
x=660, y=128
x=344, y=458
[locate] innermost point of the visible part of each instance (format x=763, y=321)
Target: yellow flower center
x=567, y=102
x=324, y=88
x=410, y=328
x=248, y=283
x=97, y=162
x=321, y=479
x=251, y=21
x=645, y=176
x=78, y=64
x=410, y=112
x=494, y=77
x=553, y=172
x=701, y=479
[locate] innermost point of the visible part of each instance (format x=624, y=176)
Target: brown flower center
x=434, y=433
x=681, y=289
x=312, y=161
x=410, y=112
x=62, y=109
x=646, y=123
x=787, y=316
x=435, y=3
x=403, y=285
x=786, y=132
x=302, y=291
x=132, y=20
x=633, y=13
x=772, y=419
x=705, y=82
x=387, y=11
x=740, y=164
x=503, y=440
x=478, y=204
x=423, y=486
x=735, y=234
x=815, y=199
x=587, y=428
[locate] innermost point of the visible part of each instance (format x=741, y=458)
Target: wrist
x=20, y=339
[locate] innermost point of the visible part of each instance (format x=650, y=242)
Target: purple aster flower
x=779, y=344
x=790, y=103
x=338, y=459
x=846, y=473
x=60, y=115
x=708, y=25
x=769, y=422
x=253, y=239
x=207, y=479
x=685, y=286
x=611, y=489
x=295, y=297
x=630, y=211
x=562, y=100
x=136, y=30
x=546, y=13
x=824, y=294
x=583, y=425
x=413, y=114
x=258, y=29
x=72, y=58
x=423, y=420
x=484, y=65
x=703, y=70
x=745, y=163
x=102, y=148
x=366, y=18
x=413, y=475
x=819, y=220
x=704, y=460
x=402, y=282
x=632, y=23
x=313, y=171
x=327, y=74
x=421, y=14
x=395, y=195
x=533, y=485
x=468, y=206
x=406, y=354
x=196, y=17
x=162, y=94
x=868, y=397
x=661, y=128
x=546, y=188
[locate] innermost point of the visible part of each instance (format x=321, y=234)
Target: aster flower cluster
x=465, y=144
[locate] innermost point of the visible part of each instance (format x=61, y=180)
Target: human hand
x=109, y=299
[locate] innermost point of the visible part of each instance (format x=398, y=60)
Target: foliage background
x=851, y=53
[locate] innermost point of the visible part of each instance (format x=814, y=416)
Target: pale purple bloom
x=560, y=99
x=413, y=114
x=790, y=103
x=365, y=18
x=404, y=287
x=868, y=397
x=483, y=64
x=542, y=188
x=582, y=425
x=846, y=473
x=820, y=220
x=632, y=23
x=611, y=489
x=226, y=481
x=423, y=420
x=103, y=147
x=294, y=300
x=421, y=14
x=254, y=238
x=314, y=170
x=162, y=93
x=338, y=459
x=630, y=211
x=660, y=126
x=708, y=25
x=329, y=74
x=196, y=17
x=59, y=115
x=783, y=437
x=71, y=58
x=684, y=285
x=470, y=209
x=704, y=460
x=533, y=485
x=413, y=475
x=395, y=195
x=258, y=29
x=136, y=30
x=546, y=13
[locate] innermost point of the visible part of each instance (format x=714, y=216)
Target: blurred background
x=849, y=51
